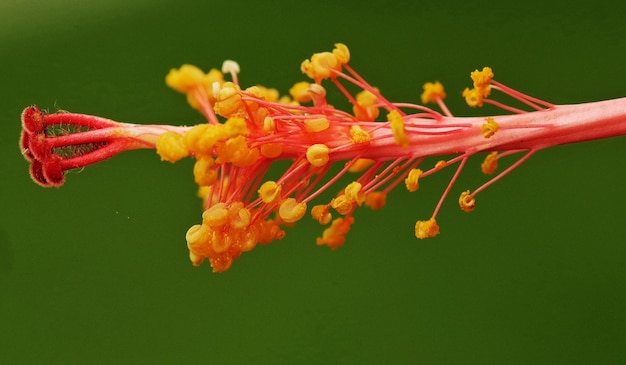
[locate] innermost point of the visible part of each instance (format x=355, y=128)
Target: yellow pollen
x=366, y=109
x=397, y=128
x=316, y=125
x=490, y=164
x=203, y=173
x=489, y=128
x=290, y=211
x=228, y=101
x=320, y=66
x=361, y=164
x=412, y=180
x=342, y=204
x=269, y=126
x=426, y=229
x=467, y=201
x=271, y=150
x=170, y=147
x=342, y=53
x=376, y=200
x=238, y=216
x=216, y=215
x=482, y=78
x=359, y=135
x=300, y=92
x=321, y=214
x=473, y=97
x=441, y=164
x=269, y=192
x=236, y=126
x=433, y=92
x=354, y=193
x=185, y=79
x=317, y=155
x=335, y=235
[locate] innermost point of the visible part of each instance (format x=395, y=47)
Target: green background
x=97, y=271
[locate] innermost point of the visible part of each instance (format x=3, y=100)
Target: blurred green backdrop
x=97, y=271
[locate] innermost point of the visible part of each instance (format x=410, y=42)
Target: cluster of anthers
x=248, y=129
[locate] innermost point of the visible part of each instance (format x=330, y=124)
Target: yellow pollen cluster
x=366, y=108
x=300, y=92
x=412, y=180
x=361, y=164
x=269, y=192
x=376, y=200
x=228, y=100
x=426, y=229
x=189, y=79
x=321, y=65
x=397, y=128
x=489, y=128
x=321, y=214
x=227, y=231
x=433, y=91
x=316, y=124
x=482, y=88
x=170, y=147
x=291, y=211
x=359, y=135
x=490, y=164
x=317, y=154
x=467, y=201
x=335, y=235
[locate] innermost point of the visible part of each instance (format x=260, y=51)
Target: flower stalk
x=380, y=144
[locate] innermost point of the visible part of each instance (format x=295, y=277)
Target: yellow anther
x=238, y=216
x=203, y=173
x=236, y=126
x=185, y=79
x=230, y=67
x=359, y=135
x=317, y=154
x=342, y=204
x=191, y=139
x=376, y=200
x=397, y=128
x=290, y=211
x=316, y=125
x=366, y=108
x=264, y=93
x=320, y=66
x=269, y=125
x=473, y=97
x=197, y=237
x=300, y=92
x=321, y=214
x=354, y=193
x=170, y=147
x=433, y=91
x=482, y=78
x=236, y=151
x=342, y=53
x=335, y=235
x=228, y=101
x=489, y=128
x=490, y=164
x=441, y=164
x=216, y=215
x=271, y=150
x=426, y=229
x=467, y=201
x=269, y=192
x=412, y=180
x=361, y=164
